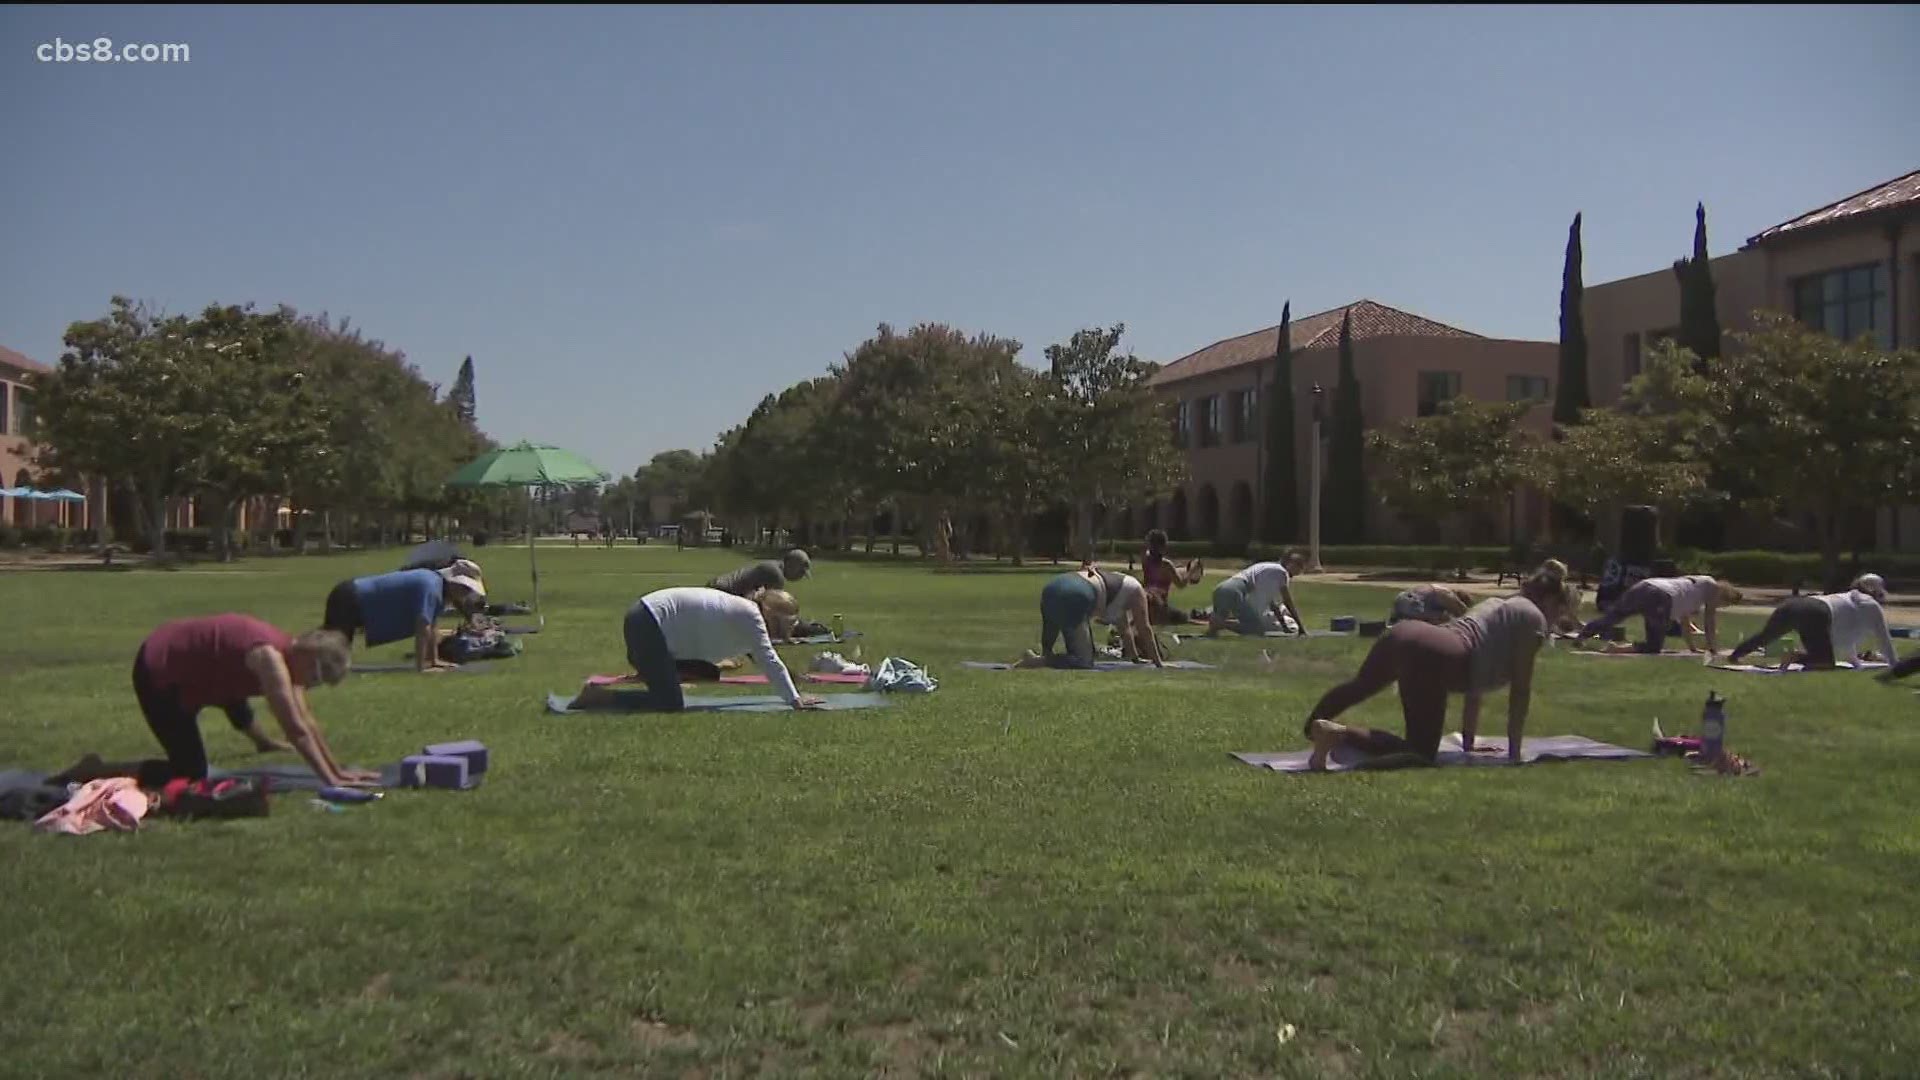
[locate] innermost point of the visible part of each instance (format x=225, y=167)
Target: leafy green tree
x=1109, y=439
x=461, y=397
x=1464, y=460
x=1814, y=423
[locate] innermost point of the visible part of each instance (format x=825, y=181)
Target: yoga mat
x=1284, y=634
x=822, y=639
x=519, y=629
x=1756, y=669
x=558, y=703
x=1099, y=665
x=295, y=777
x=1696, y=657
x=1452, y=752
x=755, y=679
x=471, y=667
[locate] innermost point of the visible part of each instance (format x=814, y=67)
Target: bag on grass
x=898, y=674
x=236, y=797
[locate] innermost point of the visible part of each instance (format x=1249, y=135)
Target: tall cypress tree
x=1573, y=393
x=1282, y=523
x=1699, y=323
x=461, y=396
x=1703, y=527
x=1346, y=483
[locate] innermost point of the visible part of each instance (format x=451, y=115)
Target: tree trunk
x=154, y=509
x=1829, y=551
x=895, y=522
x=223, y=529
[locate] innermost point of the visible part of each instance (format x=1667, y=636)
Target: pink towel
x=114, y=803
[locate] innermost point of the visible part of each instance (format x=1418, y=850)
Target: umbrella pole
x=533, y=558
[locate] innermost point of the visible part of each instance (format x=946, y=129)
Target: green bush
x=9, y=536
x=56, y=541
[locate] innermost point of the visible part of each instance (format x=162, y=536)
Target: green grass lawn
x=1025, y=874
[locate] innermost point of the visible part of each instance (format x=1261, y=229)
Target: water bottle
x=839, y=626
x=1713, y=727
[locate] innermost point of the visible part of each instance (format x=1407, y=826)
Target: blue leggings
x=1066, y=609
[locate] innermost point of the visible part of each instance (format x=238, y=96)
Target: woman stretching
x=1830, y=627
x=1161, y=577
x=1662, y=601
x=1430, y=604
x=667, y=628
x=1491, y=646
x=1068, y=605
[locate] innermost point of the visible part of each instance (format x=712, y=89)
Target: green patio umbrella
x=528, y=465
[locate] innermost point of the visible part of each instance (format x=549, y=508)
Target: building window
x=1436, y=387
x=1183, y=424
x=1845, y=303
x=1210, y=420
x=1246, y=415
x=22, y=411
x=1528, y=388
x=1630, y=357
x=6, y=407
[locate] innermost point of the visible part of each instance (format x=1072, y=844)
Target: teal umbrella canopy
x=527, y=464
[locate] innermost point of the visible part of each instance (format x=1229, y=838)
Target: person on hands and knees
x=406, y=603
x=672, y=627
x=1493, y=645
x=224, y=660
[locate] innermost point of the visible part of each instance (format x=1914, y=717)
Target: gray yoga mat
x=1452, y=752
x=822, y=639
x=1099, y=665
x=472, y=667
x=635, y=702
x=1310, y=633
x=1696, y=657
x=1797, y=669
x=295, y=777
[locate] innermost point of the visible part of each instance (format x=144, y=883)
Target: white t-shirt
x=707, y=624
x=1264, y=582
x=1120, y=600
x=1858, y=619
x=1690, y=593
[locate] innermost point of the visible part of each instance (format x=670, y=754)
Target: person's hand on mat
x=808, y=701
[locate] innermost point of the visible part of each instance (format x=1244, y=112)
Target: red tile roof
x=1322, y=331
x=8, y=356
x=1900, y=191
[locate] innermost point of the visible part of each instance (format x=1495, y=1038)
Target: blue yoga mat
x=1099, y=665
x=633, y=702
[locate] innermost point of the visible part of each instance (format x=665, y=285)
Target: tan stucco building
x=1406, y=366
x=1851, y=268
x=17, y=373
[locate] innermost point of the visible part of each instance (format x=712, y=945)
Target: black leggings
x=343, y=611
x=177, y=729
x=1428, y=662
x=1807, y=616
x=1905, y=667
x=647, y=652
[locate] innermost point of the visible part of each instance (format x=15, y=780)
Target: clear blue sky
x=638, y=221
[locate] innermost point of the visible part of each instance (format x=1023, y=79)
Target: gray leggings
x=1646, y=600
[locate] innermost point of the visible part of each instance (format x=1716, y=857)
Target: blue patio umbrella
x=64, y=495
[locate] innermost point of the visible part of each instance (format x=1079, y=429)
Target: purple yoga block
x=473, y=750
x=424, y=770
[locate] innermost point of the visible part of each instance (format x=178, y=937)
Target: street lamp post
x=1313, y=531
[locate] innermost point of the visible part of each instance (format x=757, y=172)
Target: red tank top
x=205, y=659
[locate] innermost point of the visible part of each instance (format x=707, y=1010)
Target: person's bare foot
x=1325, y=735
